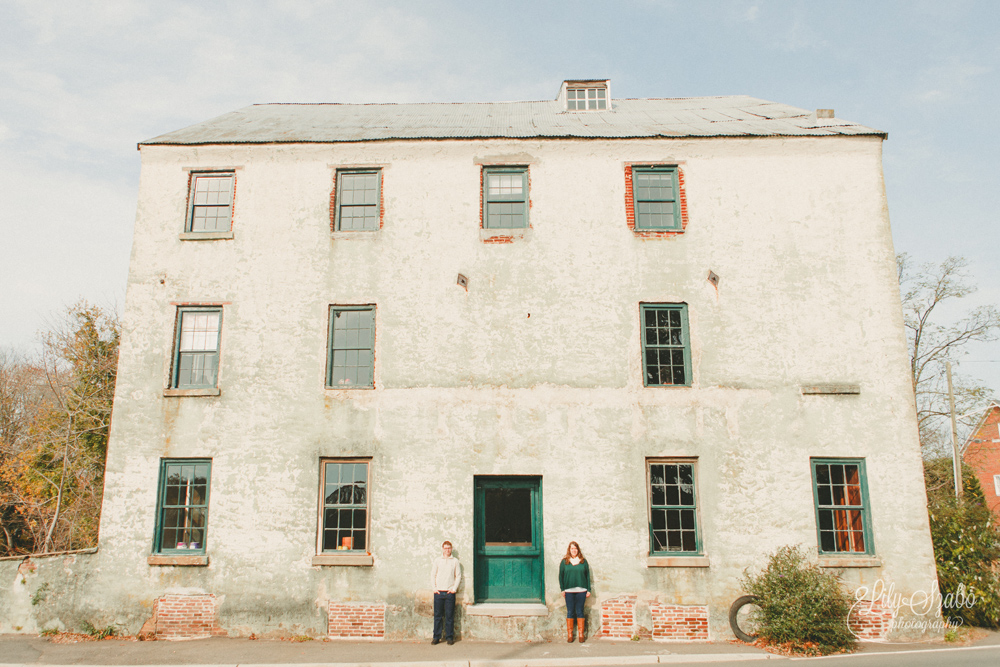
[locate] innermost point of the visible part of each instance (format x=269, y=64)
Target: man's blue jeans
x=444, y=613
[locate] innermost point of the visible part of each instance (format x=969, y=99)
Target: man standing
x=446, y=573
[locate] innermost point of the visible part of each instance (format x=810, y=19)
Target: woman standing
x=574, y=581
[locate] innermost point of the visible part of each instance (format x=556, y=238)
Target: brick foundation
x=870, y=620
x=673, y=622
x=618, y=617
x=356, y=620
x=187, y=617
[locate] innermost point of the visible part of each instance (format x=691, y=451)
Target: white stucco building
x=668, y=329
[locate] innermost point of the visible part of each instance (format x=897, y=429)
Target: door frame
x=537, y=549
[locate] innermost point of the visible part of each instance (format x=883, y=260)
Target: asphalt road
x=33, y=651
x=981, y=656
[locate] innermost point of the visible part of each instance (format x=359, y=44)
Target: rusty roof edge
x=481, y=103
x=808, y=134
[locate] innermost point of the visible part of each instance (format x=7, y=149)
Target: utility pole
x=957, y=459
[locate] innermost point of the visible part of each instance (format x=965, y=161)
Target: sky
x=81, y=83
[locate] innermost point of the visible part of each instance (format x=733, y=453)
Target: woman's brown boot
x=579, y=629
x=569, y=630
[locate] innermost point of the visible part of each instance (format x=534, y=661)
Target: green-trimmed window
x=351, y=362
x=673, y=508
x=344, y=505
x=843, y=520
x=182, y=506
x=655, y=198
x=196, y=348
x=358, y=200
x=666, y=350
x=505, y=197
x=211, y=200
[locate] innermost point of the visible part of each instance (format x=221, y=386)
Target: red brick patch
x=356, y=620
x=679, y=623
x=618, y=617
x=870, y=620
x=187, y=617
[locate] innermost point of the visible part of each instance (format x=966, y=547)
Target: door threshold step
x=505, y=609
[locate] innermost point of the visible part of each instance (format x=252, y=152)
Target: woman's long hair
x=579, y=553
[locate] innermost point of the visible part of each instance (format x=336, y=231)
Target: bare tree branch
x=931, y=342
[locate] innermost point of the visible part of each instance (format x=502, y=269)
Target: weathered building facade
x=667, y=329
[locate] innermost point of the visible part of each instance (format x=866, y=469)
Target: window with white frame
x=196, y=348
x=211, y=202
x=587, y=99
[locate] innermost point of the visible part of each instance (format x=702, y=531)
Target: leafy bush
x=800, y=604
x=966, y=543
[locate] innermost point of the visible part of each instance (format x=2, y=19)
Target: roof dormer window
x=581, y=99
x=586, y=95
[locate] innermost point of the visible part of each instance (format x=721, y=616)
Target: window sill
x=830, y=389
x=205, y=236
x=656, y=232
x=207, y=391
x=847, y=561
x=504, y=235
x=361, y=560
x=677, y=561
x=157, y=559
x=356, y=235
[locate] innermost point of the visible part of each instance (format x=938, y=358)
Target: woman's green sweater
x=574, y=576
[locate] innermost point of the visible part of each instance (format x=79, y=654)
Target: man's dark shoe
x=435, y=641
x=450, y=642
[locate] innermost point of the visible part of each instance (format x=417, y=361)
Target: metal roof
x=733, y=116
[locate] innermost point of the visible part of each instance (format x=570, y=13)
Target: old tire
x=734, y=612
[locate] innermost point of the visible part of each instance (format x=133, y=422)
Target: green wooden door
x=508, y=537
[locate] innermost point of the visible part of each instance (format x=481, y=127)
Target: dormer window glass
x=586, y=99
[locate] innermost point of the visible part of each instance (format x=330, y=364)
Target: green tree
x=52, y=472
x=966, y=544
x=18, y=404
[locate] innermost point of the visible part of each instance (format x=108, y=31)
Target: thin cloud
x=953, y=82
